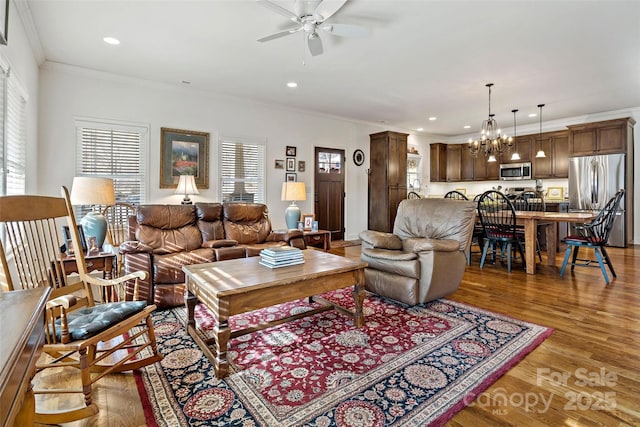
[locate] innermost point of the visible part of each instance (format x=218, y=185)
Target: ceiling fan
x=311, y=16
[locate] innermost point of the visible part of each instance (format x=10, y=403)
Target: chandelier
x=492, y=142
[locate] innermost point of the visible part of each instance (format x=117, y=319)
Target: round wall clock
x=358, y=157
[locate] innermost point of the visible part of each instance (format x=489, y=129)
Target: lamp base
x=94, y=224
x=292, y=216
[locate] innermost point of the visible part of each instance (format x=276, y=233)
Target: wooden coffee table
x=237, y=286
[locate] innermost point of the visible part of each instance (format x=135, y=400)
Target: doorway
x=329, y=190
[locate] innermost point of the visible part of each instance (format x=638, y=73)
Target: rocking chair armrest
x=64, y=301
x=98, y=281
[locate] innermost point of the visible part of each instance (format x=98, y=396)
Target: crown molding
x=22, y=7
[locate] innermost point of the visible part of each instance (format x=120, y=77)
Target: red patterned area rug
x=412, y=366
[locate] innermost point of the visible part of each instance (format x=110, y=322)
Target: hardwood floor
x=586, y=373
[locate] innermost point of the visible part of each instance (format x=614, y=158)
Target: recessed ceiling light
x=467, y=126
x=432, y=118
x=420, y=129
x=532, y=115
x=111, y=40
x=292, y=84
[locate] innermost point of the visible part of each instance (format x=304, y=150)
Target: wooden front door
x=329, y=190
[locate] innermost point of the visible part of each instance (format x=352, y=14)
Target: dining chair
x=531, y=200
x=498, y=219
x=593, y=235
x=455, y=194
x=413, y=195
x=117, y=217
x=81, y=336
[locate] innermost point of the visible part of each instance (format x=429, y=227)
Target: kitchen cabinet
x=387, y=178
x=454, y=153
x=438, y=165
x=556, y=162
x=523, y=145
x=606, y=137
x=467, y=163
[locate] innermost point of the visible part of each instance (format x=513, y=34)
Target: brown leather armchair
x=167, y=237
x=424, y=258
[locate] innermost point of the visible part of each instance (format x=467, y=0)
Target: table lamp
x=93, y=191
x=291, y=192
x=187, y=186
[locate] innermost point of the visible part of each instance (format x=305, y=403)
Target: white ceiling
x=422, y=58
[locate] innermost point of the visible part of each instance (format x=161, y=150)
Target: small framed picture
x=301, y=165
x=307, y=220
x=291, y=164
x=291, y=151
x=290, y=177
x=555, y=193
x=279, y=164
x=67, y=238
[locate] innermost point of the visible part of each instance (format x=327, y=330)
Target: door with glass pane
x=329, y=190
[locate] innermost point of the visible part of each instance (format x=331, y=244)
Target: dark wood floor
x=586, y=373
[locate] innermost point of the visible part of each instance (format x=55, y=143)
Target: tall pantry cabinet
x=387, y=178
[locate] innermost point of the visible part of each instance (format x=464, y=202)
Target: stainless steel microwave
x=515, y=171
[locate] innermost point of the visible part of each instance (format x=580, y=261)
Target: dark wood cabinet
x=438, y=162
x=387, y=178
x=556, y=162
x=454, y=152
x=467, y=163
x=606, y=137
x=523, y=145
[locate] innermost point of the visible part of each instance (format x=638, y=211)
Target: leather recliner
x=424, y=258
x=164, y=238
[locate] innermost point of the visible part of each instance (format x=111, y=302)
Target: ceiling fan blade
x=346, y=30
x=327, y=8
x=279, y=10
x=280, y=34
x=315, y=44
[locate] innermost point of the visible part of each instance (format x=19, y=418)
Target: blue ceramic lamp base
x=94, y=224
x=292, y=216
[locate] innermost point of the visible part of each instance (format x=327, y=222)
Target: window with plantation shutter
x=114, y=150
x=242, y=171
x=13, y=130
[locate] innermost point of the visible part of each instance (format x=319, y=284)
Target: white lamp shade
x=187, y=185
x=92, y=191
x=293, y=191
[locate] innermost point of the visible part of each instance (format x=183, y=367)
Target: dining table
x=532, y=219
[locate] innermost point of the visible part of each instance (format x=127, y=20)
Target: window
x=242, y=171
x=114, y=150
x=13, y=124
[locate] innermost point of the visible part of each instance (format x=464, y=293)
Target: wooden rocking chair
x=96, y=339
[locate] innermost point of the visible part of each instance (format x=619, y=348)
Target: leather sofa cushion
x=388, y=254
x=224, y=243
x=395, y=262
x=417, y=244
x=168, y=228
x=378, y=239
x=254, y=250
x=89, y=321
x=166, y=217
x=247, y=223
x=436, y=219
x=168, y=268
x=210, y=221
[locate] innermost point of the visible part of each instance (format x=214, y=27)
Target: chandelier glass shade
x=492, y=141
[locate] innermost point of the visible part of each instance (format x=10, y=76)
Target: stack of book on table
x=281, y=256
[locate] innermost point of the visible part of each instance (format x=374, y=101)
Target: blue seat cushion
x=89, y=321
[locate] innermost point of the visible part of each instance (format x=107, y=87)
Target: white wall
x=68, y=92
x=24, y=68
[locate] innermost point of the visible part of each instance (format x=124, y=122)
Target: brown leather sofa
x=164, y=238
x=424, y=258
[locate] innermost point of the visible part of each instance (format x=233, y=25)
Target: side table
x=102, y=261
x=320, y=238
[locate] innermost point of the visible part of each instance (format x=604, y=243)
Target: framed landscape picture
x=183, y=152
x=291, y=164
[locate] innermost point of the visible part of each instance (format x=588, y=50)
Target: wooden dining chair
x=455, y=194
x=82, y=336
x=593, y=235
x=117, y=217
x=412, y=195
x=498, y=219
x=531, y=200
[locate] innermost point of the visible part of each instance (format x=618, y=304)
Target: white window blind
x=116, y=151
x=13, y=131
x=242, y=170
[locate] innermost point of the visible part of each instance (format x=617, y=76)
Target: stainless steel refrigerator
x=593, y=180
